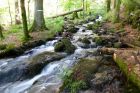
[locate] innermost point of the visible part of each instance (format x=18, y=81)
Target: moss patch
x=65, y=45
x=98, y=40
x=125, y=68
x=85, y=40
x=79, y=76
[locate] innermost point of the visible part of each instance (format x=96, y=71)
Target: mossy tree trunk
x=114, y=4
x=29, y=11
x=24, y=19
x=83, y=5
x=117, y=11
x=39, y=21
x=17, y=16
x=108, y=2
x=1, y=34
x=75, y=15
x=9, y=9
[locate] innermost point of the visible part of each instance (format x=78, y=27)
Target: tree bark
x=67, y=13
x=117, y=11
x=17, y=13
x=1, y=34
x=108, y=5
x=39, y=21
x=83, y=8
x=24, y=19
x=29, y=11
x=10, y=12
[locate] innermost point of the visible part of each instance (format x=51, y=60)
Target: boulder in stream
x=28, y=68
x=65, y=45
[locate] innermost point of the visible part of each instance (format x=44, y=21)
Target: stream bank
x=92, y=65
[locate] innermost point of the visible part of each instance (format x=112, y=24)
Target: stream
x=50, y=78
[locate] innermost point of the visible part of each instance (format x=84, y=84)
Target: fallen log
x=67, y=13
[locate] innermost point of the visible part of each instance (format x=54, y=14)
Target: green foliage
x=111, y=30
x=70, y=84
x=2, y=46
x=96, y=25
x=71, y=4
x=98, y=40
x=80, y=76
x=98, y=9
x=10, y=46
x=15, y=28
x=117, y=11
x=55, y=25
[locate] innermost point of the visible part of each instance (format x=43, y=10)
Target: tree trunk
x=67, y=13
x=24, y=19
x=83, y=8
x=114, y=4
x=108, y=5
x=39, y=21
x=17, y=13
x=1, y=34
x=117, y=11
x=75, y=15
x=10, y=12
x=29, y=11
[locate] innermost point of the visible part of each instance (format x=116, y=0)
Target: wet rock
x=45, y=89
x=65, y=45
x=117, y=45
x=88, y=91
x=98, y=40
x=85, y=40
x=70, y=28
x=59, y=47
x=83, y=45
x=16, y=51
x=82, y=72
x=67, y=34
x=29, y=68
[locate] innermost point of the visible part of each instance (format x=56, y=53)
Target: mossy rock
x=98, y=40
x=131, y=75
x=90, y=27
x=72, y=29
x=86, y=41
x=79, y=76
x=59, y=47
x=3, y=46
x=64, y=45
x=80, y=39
x=117, y=45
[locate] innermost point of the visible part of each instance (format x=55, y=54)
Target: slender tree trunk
x=39, y=21
x=29, y=11
x=83, y=8
x=17, y=13
x=1, y=34
x=10, y=12
x=117, y=10
x=24, y=19
x=108, y=5
x=114, y=4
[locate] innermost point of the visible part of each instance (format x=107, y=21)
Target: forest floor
x=128, y=58
x=132, y=36
x=35, y=36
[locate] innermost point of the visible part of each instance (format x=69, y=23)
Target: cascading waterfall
x=52, y=72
